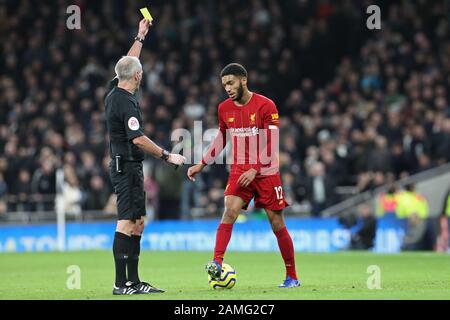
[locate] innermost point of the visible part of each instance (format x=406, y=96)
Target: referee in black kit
x=128, y=145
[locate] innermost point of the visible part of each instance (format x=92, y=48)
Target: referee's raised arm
x=135, y=50
x=129, y=75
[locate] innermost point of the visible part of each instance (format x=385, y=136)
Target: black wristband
x=141, y=40
x=165, y=155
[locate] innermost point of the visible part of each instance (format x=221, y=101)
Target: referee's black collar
x=126, y=91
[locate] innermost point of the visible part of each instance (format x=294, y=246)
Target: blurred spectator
x=151, y=189
x=87, y=169
x=410, y=202
x=3, y=187
x=333, y=167
x=22, y=192
x=190, y=196
x=169, y=182
x=3, y=204
x=424, y=163
x=215, y=199
x=43, y=186
x=399, y=160
x=71, y=196
x=111, y=205
x=415, y=233
x=289, y=188
x=379, y=158
x=364, y=237
x=98, y=194
x=442, y=243
x=3, y=210
x=387, y=202
x=319, y=188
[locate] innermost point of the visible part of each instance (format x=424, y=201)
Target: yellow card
x=146, y=14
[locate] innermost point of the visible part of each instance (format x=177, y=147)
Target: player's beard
x=239, y=93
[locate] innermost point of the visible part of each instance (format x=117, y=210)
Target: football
x=227, y=278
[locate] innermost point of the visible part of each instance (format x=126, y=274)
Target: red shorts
x=267, y=190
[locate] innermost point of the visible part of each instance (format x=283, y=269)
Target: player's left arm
x=270, y=122
x=135, y=50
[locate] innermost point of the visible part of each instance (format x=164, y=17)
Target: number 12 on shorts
x=279, y=191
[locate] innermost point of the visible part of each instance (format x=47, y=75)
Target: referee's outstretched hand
x=176, y=159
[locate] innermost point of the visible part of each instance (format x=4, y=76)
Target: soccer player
x=252, y=121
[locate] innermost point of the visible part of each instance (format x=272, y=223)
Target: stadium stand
x=359, y=108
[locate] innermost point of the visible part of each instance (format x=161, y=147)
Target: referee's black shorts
x=129, y=188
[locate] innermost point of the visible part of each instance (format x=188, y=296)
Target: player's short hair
x=126, y=67
x=234, y=69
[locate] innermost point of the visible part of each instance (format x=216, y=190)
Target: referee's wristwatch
x=165, y=155
x=137, y=38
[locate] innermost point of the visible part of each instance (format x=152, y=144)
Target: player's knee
x=277, y=223
x=230, y=214
x=277, y=226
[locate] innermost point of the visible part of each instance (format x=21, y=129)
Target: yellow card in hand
x=146, y=14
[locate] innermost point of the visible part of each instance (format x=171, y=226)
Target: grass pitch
x=342, y=275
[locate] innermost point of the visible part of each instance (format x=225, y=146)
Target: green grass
x=324, y=276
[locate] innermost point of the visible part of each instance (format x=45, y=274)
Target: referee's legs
x=121, y=249
x=135, y=250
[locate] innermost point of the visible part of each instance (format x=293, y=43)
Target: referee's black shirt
x=124, y=122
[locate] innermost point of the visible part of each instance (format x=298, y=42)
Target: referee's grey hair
x=126, y=67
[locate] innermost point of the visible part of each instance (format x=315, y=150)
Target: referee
x=127, y=147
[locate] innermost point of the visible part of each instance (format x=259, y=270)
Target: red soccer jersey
x=253, y=130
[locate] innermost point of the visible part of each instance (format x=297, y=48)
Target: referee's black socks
x=133, y=259
x=121, y=247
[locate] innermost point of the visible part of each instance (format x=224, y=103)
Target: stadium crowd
x=358, y=107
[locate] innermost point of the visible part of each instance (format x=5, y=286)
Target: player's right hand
x=192, y=171
x=176, y=159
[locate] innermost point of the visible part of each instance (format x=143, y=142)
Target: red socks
x=223, y=236
x=285, y=244
x=287, y=251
